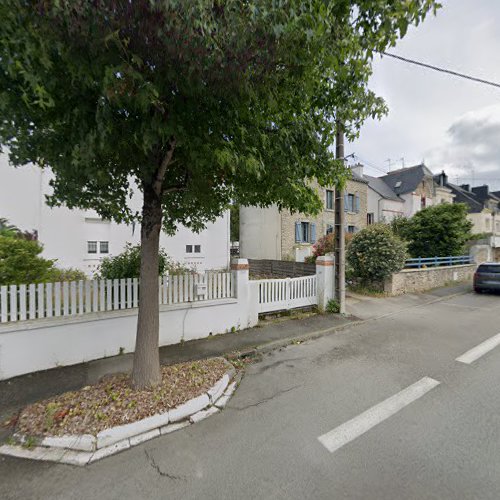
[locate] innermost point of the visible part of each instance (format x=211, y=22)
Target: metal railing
x=423, y=262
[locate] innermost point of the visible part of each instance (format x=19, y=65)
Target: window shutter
x=346, y=202
x=298, y=238
x=357, y=203
x=313, y=233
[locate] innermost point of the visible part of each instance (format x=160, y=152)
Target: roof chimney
x=357, y=169
x=465, y=187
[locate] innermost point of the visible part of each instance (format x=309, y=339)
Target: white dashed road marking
x=357, y=426
x=480, y=350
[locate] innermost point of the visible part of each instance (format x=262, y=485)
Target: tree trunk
x=146, y=370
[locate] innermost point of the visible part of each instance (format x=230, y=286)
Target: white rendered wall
x=64, y=233
x=41, y=344
x=384, y=210
x=260, y=233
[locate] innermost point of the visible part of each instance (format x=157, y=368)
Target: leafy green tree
x=199, y=103
x=20, y=262
x=438, y=231
x=375, y=253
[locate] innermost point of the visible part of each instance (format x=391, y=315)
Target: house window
x=104, y=246
x=423, y=202
x=305, y=232
x=189, y=248
x=92, y=246
x=351, y=202
x=329, y=229
x=370, y=218
x=351, y=229
x=197, y=249
x=329, y=200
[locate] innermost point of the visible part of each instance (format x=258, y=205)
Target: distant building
x=417, y=188
x=268, y=233
x=383, y=203
x=483, y=205
x=81, y=238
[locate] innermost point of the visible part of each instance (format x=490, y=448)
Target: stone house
x=483, y=205
x=417, y=188
x=268, y=233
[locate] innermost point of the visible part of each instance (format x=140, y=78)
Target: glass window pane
x=92, y=246
x=104, y=246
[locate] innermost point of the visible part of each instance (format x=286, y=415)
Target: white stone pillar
x=325, y=276
x=244, y=293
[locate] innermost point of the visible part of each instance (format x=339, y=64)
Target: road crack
x=265, y=400
x=156, y=467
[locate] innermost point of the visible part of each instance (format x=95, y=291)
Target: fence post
x=246, y=295
x=325, y=272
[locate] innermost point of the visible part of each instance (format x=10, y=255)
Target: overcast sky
x=450, y=123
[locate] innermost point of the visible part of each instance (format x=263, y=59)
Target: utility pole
x=340, y=229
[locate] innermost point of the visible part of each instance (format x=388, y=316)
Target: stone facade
x=419, y=280
x=289, y=246
x=357, y=219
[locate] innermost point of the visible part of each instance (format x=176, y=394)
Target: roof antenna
x=389, y=164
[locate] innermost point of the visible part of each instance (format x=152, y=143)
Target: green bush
x=128, y=264
x=20, y=262
x=375, y=253
x=69, y=274
x=332, y=307
x=436, y=231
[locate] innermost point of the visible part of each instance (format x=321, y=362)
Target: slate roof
x=409, y=178
x=380, y=187
x=467, y=197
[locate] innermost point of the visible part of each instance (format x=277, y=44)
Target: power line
x=442, y=70
x=370, y=164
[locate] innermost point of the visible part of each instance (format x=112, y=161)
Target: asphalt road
x=416, y=423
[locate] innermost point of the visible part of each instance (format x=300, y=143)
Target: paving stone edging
x=86, y=448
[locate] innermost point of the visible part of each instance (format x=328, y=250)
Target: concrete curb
x=86, y=449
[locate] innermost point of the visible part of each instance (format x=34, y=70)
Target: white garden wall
x=45, y=343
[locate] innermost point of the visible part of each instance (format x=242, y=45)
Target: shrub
x=128, y=263
x=20, y=262
x=332, y=306
x=69, y=274
x=326, y=244
x=438, y=231
x=375, y=253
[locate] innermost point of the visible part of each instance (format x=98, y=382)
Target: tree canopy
x=437, y=231
x=199, y=102
x=237, y=100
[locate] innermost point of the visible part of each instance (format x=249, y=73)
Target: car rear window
x=485, y=268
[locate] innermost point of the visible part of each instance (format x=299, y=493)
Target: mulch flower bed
x=113, y=401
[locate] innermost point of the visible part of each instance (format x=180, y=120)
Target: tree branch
x=180, y=186
x=160, y=174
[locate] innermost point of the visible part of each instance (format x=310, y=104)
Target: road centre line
x=480, y=350
x=357, y=426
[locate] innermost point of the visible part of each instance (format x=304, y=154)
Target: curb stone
x=85, y=449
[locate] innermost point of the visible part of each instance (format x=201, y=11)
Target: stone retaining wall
x=419, y=280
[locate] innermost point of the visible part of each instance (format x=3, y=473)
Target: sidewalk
x=268, y=335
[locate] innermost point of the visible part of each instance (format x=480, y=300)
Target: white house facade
x=81, y=238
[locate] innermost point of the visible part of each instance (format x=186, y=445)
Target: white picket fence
x=47, y=300
x=287, y=293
